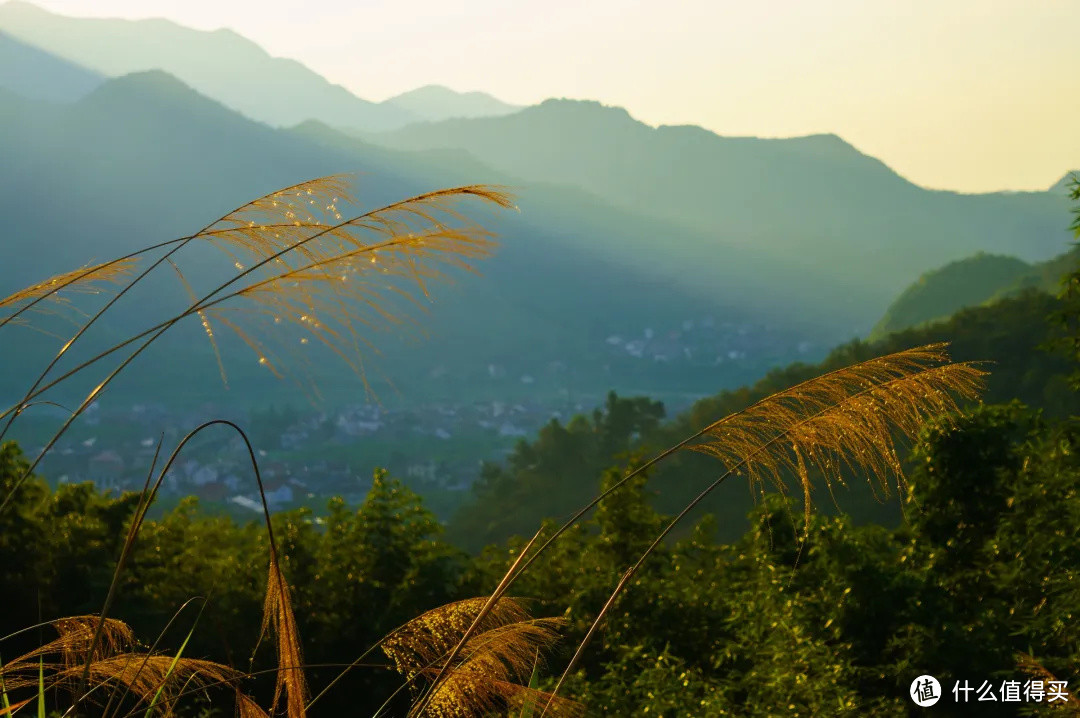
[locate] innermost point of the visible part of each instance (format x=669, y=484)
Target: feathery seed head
x=316, y=272
x=845, y=420
x=487, y=675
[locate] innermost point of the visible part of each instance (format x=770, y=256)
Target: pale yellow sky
x=971, y=95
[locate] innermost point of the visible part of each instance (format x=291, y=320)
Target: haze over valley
x=665, y=261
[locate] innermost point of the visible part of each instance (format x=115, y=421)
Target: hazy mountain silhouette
x=435, y=102
x=815, y=199
x=220, y=64
x=32, y=72
x=812, y=202
x=227, y=67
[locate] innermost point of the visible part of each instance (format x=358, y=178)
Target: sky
x=968, y=95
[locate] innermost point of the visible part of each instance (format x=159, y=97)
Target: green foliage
x=384, y=558
x=356, y=573
x=1067, y=317
x=554, y=474
x=995, y=493
x=57, y=547
x=827, y=619
x=938, y=294
x=984, y=569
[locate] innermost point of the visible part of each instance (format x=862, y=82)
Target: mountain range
x=226, y=67
x=435, y=102
x=117, y=134
x=814, y=200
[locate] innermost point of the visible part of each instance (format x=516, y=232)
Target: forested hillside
x=548, y=476
x=981, y=279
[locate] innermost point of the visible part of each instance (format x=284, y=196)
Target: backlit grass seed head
x=114, y=662
x=845, y=420
x=91, y=279
x=488, y=674
x=492, y=670
x=337, y=280
x=430, y=637
x=87, y=279
x=278, y=617
x=145, y=674
x=246, y=707
x=76, y=634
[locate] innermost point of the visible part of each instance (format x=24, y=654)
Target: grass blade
x=41, y=688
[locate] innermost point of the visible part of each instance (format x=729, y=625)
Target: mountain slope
x=941, y=292
x=31, y=72
x=220, y=64
x=1044, y=276
x=435, y=102
x=979, y=280
x=814, y=199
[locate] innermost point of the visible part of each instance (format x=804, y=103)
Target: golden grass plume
x=116, y=661
x=489, y=672
x=278, y=617
x=428, y=638
x=72, y=646
x=144, y=674
x=90, y=279
x=492, y=671
x=848, y=419
x=336, y=279
x=87, y=279
x=246, y=707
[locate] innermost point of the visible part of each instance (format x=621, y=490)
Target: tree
x=1067, y=318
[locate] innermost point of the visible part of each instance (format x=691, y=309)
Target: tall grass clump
x=303, y=259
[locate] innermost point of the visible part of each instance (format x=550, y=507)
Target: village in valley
x=307, y=454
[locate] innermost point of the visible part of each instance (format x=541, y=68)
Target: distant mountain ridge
x=220, y=64
x=224, y=66
x=816, y=200
x=433, y=103
x=34, y=73
x=940, y=293
x=1063, y=184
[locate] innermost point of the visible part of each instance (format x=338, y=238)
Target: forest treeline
x=828, y=618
